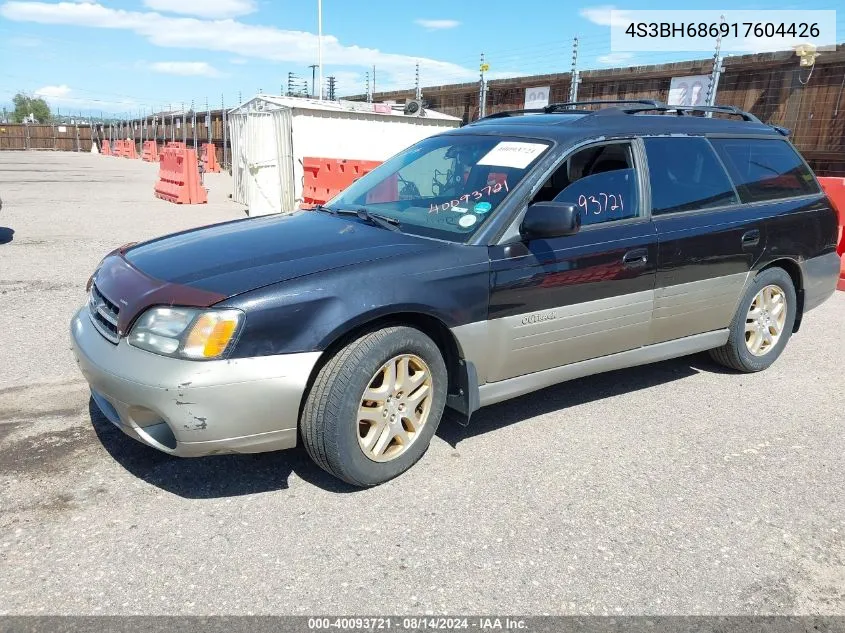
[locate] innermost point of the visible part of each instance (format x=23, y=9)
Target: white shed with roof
x=271, y=136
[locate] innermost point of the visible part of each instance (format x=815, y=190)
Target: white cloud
x=604, y=15
x=204, y=8
x=232, y=36
x=614, y=58
x=435, y=25
x=186, y=69
x=53, y=91
x=239, y=61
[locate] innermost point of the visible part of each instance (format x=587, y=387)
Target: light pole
x=313, y=68
x=320, y=45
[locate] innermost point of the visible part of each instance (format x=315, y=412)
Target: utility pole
x=369, y=94
x=292, y=84
x=320, y=44
x=482, y=90
x=313, y=68
x=574, y=78
x=715, y=73
x=418, y=89
x=194, y=123
x=374, y=82
x=184, y=124
x=331, y=87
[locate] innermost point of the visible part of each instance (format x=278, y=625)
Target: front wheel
x=375, y=405
x=762, y=324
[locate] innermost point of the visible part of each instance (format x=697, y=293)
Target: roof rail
x=570, y=105
x=556, y=107
x=682, y=110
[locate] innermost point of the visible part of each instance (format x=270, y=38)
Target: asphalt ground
x=676, y=488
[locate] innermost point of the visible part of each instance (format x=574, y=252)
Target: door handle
x=751, y=238
x=636, y=257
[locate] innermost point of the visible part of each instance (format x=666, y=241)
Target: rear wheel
x=375, y=406
x=762, y=325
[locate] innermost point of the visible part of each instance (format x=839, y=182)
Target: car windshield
x=445, y=186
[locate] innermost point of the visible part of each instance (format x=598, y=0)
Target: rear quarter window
x=685, y=175
x=765, y=169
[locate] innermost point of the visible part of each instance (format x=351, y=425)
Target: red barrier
x=125, y=149
x=176, y=145
x=179, y=177
x=105, y=150
x=150, y=152
x=327, y=177
x=835, y=190
x=209, y=158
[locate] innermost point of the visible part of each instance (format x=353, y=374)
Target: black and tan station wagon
x=490, y=261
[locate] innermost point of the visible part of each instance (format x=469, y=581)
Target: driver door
x=568, y=299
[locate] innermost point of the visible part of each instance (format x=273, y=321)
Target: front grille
x=103, y=314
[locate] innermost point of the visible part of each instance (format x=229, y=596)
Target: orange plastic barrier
x=176, y=144
x=124, y=149
x=327, y=177
x=179, y=177
x=150, y=152
x=209, y=158
x=841, y=284
x=835, y=190
x=105, y=150
x=129, y=149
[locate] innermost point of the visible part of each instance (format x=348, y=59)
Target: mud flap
x=466, y=401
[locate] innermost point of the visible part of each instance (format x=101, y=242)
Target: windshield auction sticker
x=513, y=154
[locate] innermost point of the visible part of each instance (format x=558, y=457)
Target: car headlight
x=186, y=332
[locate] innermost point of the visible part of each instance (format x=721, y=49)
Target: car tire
x=737, y=352
x=333, y=431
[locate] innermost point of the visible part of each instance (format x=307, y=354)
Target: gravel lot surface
x=677, y=488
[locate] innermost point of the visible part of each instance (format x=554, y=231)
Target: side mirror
x=550, y=219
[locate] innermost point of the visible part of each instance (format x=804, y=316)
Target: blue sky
x=122, y=56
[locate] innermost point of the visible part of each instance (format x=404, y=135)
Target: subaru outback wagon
x=522, y=250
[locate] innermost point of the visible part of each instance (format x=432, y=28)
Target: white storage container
x=270, y=136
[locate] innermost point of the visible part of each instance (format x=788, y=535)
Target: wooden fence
x=773, y=86
x=65, y=137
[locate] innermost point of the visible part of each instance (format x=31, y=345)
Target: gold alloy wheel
x=765, y=320
x=394, y=408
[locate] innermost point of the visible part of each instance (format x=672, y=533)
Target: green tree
x=26, y=105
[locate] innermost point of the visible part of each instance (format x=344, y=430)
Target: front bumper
x=192, y=408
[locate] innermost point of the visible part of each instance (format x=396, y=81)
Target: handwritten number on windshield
x=475, y=196
x=601, y=203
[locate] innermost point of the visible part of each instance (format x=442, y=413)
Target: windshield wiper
x=323, y=208
x=385, y=222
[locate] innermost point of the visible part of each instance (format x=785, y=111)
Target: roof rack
x=569, y=105
x=640, y=105
x=683, y=110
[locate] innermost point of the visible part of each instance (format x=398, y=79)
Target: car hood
x=235, y=257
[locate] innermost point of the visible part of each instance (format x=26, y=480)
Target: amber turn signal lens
x=211, y=334
x=219, y=339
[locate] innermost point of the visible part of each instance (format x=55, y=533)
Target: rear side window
x=765, y=169
x=685, y=175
